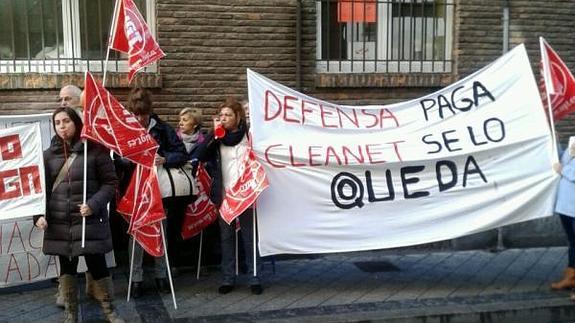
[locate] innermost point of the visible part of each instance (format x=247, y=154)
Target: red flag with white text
x=202, y=212
x=245, y=191
x=142, y=208
x=107, y=122
x=131, y=35
x=558, y=82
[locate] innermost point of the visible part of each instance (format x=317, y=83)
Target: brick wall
x=209, y=45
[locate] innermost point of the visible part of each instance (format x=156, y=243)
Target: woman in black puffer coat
x=62, y=222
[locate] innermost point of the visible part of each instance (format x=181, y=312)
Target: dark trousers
x=569, y=227
x=96, y=265
x=175, y=219
x=228, y=244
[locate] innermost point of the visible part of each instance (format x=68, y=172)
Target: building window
x=59, y=36
x=384, y=36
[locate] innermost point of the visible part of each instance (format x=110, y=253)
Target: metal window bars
x=59, y=36
x=385, y=36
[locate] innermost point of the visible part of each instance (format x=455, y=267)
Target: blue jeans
x=228, y=239
x=569, y=227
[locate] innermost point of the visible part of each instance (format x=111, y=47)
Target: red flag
x=202, y=212
x=245, y=191
x=150, y=238
x=558, y=81
x=356, y=11
x=130, y=34
x=107, y=122
x=141, y=206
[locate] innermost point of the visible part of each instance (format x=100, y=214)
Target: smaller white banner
x=22, y=187
x=21, y=257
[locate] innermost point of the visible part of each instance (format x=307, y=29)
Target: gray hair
x=74, y=90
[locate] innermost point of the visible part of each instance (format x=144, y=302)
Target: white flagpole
x=131, y=269
x=168, y=265
x=138, y=178
x=112, y=32
x=200, y=255
x=254, y=242
x=114, y=17
x=546, y=74
x=84, y=187
x=237, y=263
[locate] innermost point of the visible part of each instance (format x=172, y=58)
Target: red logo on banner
x=246, y=190
x=562, y=89
x=202, y=212
x=107, y=122
x=141, y=206
x=131, y=35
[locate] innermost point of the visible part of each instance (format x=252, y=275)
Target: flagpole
x=131, y=269
x=112, y=32
x=85, y=178
x=546, y=69
x=200, y=255
x=138, y=178
x=114, y=17
x=237, y=264
x=254, y=241
x=168, y=265
x=84, y=191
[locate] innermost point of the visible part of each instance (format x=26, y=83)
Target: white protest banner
x=22, y=190
x=21, y=257
x=473, y=156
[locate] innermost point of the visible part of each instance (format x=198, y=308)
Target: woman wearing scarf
x=189, y=130
x=225, y=153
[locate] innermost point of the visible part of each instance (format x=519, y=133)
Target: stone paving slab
x=458, y=286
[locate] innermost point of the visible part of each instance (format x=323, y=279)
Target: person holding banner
x=565, y=208
x=224, y=152
x=62, y=223
x=171, y=153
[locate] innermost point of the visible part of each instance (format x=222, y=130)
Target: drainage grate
x=376, y=266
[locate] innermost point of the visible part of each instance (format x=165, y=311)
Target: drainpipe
x=500, y=246
x=505, y=26
x=298, y=46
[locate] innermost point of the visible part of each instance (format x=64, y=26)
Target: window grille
x=384, y=36
x=59, y=36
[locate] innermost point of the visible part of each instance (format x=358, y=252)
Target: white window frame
x=71, y=30
x=384, y=66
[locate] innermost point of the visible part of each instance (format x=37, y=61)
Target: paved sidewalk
x=384, y=286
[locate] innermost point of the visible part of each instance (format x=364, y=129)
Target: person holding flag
x=62, y=223
x=565, y=209
x=171, y=153
x=224, y=150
